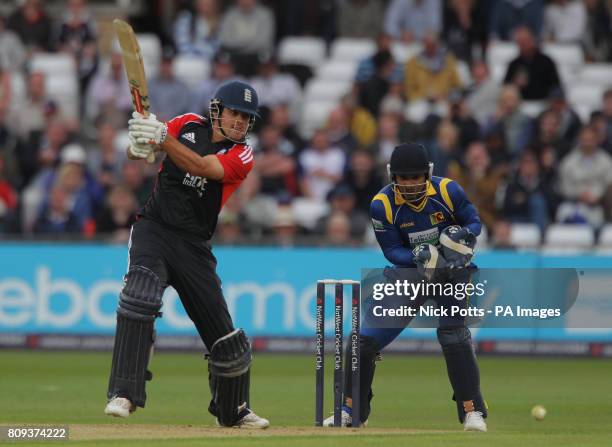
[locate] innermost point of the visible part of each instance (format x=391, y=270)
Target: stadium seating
x=565, y=55
x=597, y=74
x=323, y=89
x=403, y=52
x=53, y=64
x=564, y=238
x=302, y=50
x=191, y=70
x=499, y=54
x=314, y=115
x=350, y=49
x=337, y=70
x=525, y=236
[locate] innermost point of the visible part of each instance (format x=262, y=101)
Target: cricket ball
x=538, y=412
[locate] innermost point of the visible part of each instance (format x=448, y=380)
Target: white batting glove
x=144, y=151
x=147, y=130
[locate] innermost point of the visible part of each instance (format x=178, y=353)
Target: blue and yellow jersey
x=400, y=226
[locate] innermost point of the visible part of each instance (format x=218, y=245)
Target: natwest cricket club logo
x=197, y=182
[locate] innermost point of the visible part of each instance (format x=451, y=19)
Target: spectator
x=432, y=74
x=339, y=132
x=388, y=138
x=465, y=31
x=508, y=15
x=360, y=18
x=30, y=116
x=483, y=93
x=284, y=227
x=342, y=200
x=105, y=159
x=32, y=24
x=169, y=96
x=412, y=20
x=533, y=72
x=479, y=180
x=461, y=117
x=222, y=71
x=56, y=217
x=524, y=199
x=274, y=165
x=12, y=51
x=228, y=228
x=109, y=94
x=275, y=88
x=565, y=21
x=8, y=200
x=445, y=149
x=195, y=32
x=367, y=68
x=134, y=178
x=322, y=166
x=118, y=215
x=548, y=133
x=569, y=121
x=596, y=41
x=372, y=91
x=280, y=118
x=585, y=176
x=338, y=230
x=362, y=123
x=247, y=31
x=509, y=123
x=77, y=37
x=363, y=178
x=502, y=236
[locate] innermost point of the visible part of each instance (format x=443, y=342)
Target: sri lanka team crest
x=436, y=218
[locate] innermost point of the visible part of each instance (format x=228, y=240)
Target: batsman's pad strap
x=231, y=355
x=141, y=297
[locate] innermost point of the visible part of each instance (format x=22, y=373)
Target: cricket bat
x=134, y=68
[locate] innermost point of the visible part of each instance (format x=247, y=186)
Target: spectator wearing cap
x=274, y=88
x=322, y=166
x=585, y=176
x=564, y=21
x=169, y=96
x=247, y=30
x=432, y=74
x=109, y=95
x=532, y=71
x=222, y=71
x=412, y=20
x=195, y=31
x=508, y=15
x=359, y=18
x=32, y=24
x=342, y=200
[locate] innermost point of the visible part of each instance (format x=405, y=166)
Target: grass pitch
x=412, y=404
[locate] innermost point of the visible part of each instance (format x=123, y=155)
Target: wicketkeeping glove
x=458, y=246
x=430, y=262
x=147, y=130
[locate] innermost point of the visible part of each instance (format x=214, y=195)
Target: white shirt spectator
x=565, y=21
x=248, y=28
x=322, y=166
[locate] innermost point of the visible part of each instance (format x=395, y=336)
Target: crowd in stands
x=63, y=175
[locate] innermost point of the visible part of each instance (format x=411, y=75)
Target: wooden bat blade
x=134, y=65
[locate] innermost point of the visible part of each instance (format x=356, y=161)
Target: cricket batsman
x=425, y=223
x=169, y=246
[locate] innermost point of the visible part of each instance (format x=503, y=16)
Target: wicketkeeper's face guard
x=411, y=189
x=232, y=124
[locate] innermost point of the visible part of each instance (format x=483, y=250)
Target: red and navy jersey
x=191, y=204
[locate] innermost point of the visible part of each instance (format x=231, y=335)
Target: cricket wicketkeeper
x=428, y=224
x=169, y=246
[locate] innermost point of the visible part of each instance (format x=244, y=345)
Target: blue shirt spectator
x=410, y=20
x=509, y=14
